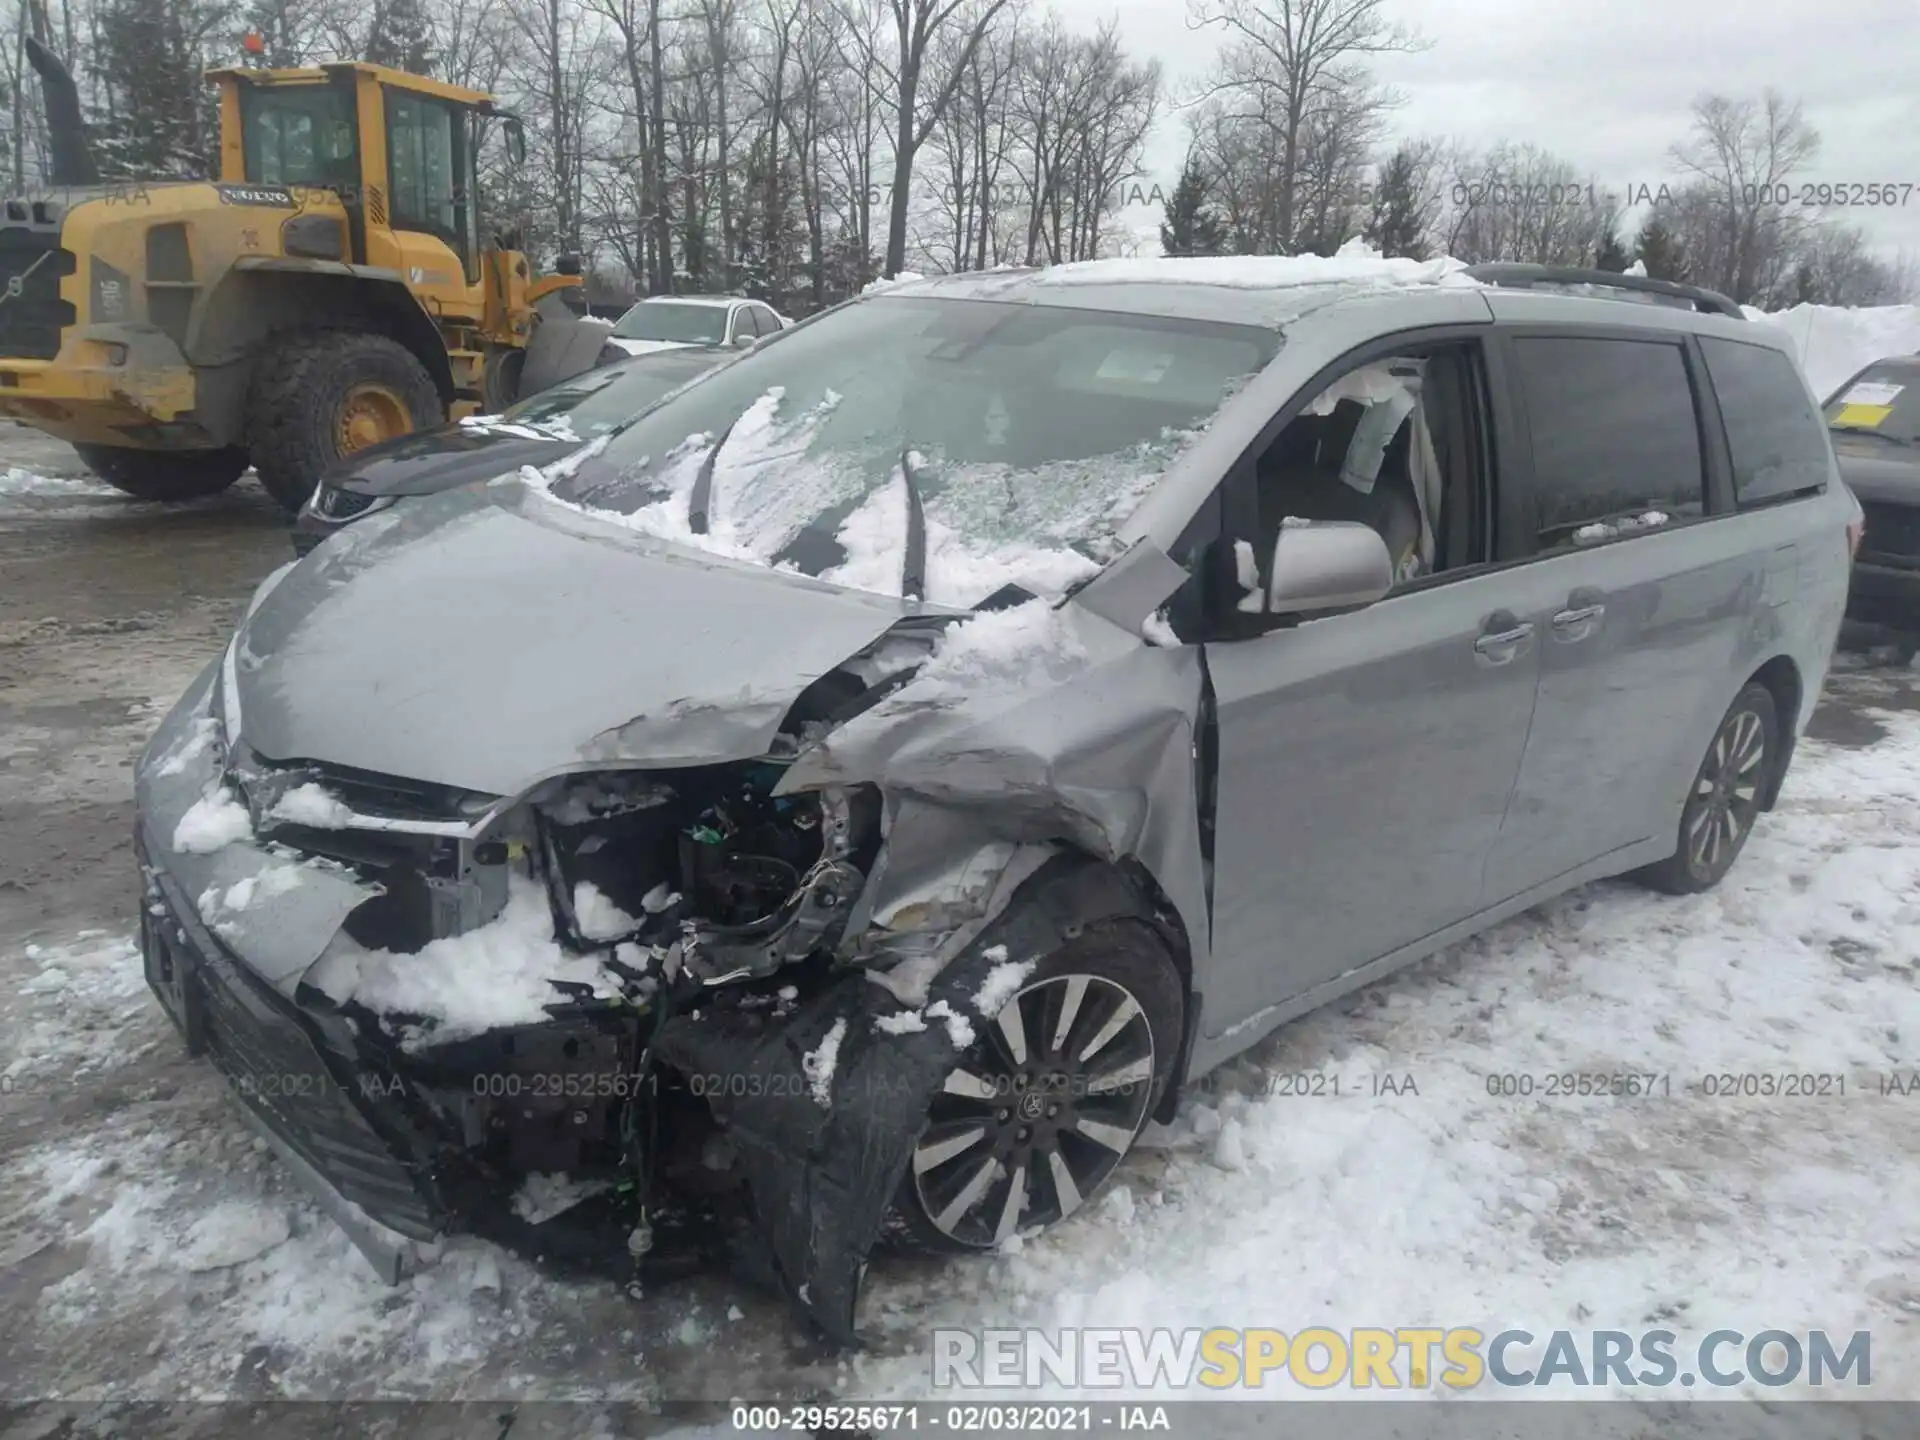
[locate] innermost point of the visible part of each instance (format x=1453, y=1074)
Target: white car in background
x=671, y=322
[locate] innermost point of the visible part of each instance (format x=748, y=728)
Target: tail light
x=1856, y=531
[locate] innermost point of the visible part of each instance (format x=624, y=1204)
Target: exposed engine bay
x=694, y=889
x=655, y=1013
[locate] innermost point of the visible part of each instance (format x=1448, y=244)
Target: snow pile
x=232, y=1233
x=468, y=984
x=1356, y=263
x=1003, y=982
x=213, y=822
x=819, y=1064
x=598, y=917
x=959, y=1028
x=1017, y=648
x=905, y=277
x=901, y=1022
x=70, y=1004
x=15, y=481
x=1835, y=343
x=312, y=805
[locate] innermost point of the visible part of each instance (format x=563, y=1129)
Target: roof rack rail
x=1527, y=277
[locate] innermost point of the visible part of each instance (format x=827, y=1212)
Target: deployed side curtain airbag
x=1370, y=441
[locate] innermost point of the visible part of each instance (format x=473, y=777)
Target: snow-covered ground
x=1836, y=343
x=160, y=1252
x=150, y=1248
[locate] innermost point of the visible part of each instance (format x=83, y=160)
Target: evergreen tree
x=1192, y=226
x=1612, y=255
x=1396, y=224
x=401, y=36
x=159, y=120
x=1659, y=249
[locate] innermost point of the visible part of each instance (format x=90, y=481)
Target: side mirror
x=516, y=141
x=745, y=342
x=1326, y=565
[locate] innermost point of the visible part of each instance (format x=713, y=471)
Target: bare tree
x=1518, y=202
x=974, y=143
x=916, y=23
x=1287, y=63
x=1743, y=152
x=560, y=72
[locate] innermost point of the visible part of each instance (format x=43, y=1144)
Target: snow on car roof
x=1159, y=283
x=693, y=300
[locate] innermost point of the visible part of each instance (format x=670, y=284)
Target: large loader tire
x=500, y=377
x=164, y=474
x=322, y=395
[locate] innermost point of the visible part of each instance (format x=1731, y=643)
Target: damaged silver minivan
x=840, y=807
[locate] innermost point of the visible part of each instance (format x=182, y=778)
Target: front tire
x=324, y=395
x=1724, y=799
x=164, y=475
x=1041, y=1108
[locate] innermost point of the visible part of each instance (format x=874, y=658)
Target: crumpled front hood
x=488, y=637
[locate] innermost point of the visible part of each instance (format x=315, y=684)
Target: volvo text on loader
x=331, y=290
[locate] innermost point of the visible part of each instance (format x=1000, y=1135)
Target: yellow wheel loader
x=331, y=290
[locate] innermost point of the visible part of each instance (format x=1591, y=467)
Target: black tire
x=500, y=378
x=1723, y=801
x=301, y=412
x=1037, y=1129
x=165, y=474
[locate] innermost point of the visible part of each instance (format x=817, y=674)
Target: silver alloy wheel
x=1726, y=797
x=1038, y=1112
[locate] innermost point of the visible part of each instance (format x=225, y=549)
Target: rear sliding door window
x=1777, y=439
x=1616, y=444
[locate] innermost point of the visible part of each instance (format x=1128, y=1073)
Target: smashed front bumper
x=304, y=1096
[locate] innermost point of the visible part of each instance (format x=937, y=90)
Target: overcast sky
x=1607, y=83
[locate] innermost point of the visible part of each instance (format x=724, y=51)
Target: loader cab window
x=299, y=135
x=426, y=166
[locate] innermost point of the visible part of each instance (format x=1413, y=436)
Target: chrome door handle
x=1572, y=619
x=1501, y=646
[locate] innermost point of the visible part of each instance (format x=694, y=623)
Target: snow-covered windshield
x=674, y=320
x=962, y=444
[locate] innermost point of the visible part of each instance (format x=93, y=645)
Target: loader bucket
x=563, y=345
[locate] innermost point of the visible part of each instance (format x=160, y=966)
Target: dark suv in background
x=1875, y=422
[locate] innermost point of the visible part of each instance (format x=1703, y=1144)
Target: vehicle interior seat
x=1312, y=472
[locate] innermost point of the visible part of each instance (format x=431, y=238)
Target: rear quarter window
x=1616, y=440
x=1777, y=439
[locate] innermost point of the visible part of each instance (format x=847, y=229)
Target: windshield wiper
x=913, y=570
x=701, y=501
